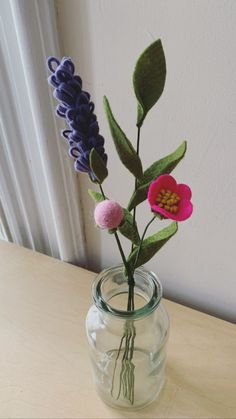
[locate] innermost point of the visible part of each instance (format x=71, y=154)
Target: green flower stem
x=131, y=283
x=126, y=376
x=138, y=140
x=102, y=192
x=136, y=182
x=141, y=241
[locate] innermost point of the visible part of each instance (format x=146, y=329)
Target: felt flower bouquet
x=166, y=198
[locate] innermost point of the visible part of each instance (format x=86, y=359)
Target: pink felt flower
x=170, y=199
x=108, y=214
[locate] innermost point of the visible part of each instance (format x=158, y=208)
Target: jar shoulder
x=154, y=327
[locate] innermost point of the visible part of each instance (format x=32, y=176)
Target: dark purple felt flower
x=78, y=111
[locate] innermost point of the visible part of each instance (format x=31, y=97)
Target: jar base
x=118, y=405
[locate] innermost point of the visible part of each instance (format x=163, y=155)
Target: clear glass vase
x=127, y=348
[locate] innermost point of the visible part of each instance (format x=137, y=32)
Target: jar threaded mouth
x=111, y=282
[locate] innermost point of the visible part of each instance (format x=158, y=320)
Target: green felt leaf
x=98, y=166
x=138, y=196
x=128, y=229
x=96, y=196
x=124, y=148
x=162, y=166
x=152, y=245
x=149, y=78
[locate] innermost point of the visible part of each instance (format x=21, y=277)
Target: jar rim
x=144, y=311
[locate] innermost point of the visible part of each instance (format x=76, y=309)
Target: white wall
x=197, y=266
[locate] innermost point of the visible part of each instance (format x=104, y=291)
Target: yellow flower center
x=168, y=200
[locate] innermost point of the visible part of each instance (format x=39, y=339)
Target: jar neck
x=110, y=293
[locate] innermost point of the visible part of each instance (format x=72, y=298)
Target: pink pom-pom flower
x=108, y=214
x=170, y=199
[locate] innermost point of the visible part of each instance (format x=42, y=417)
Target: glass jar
x=127, y=348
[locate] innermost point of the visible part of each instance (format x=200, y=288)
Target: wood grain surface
x=44, y=366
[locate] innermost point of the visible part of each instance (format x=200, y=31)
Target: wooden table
x=44, y=366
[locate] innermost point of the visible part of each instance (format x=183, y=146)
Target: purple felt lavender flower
x=78, y=111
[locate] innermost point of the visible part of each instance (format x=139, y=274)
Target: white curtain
x=39, y=192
